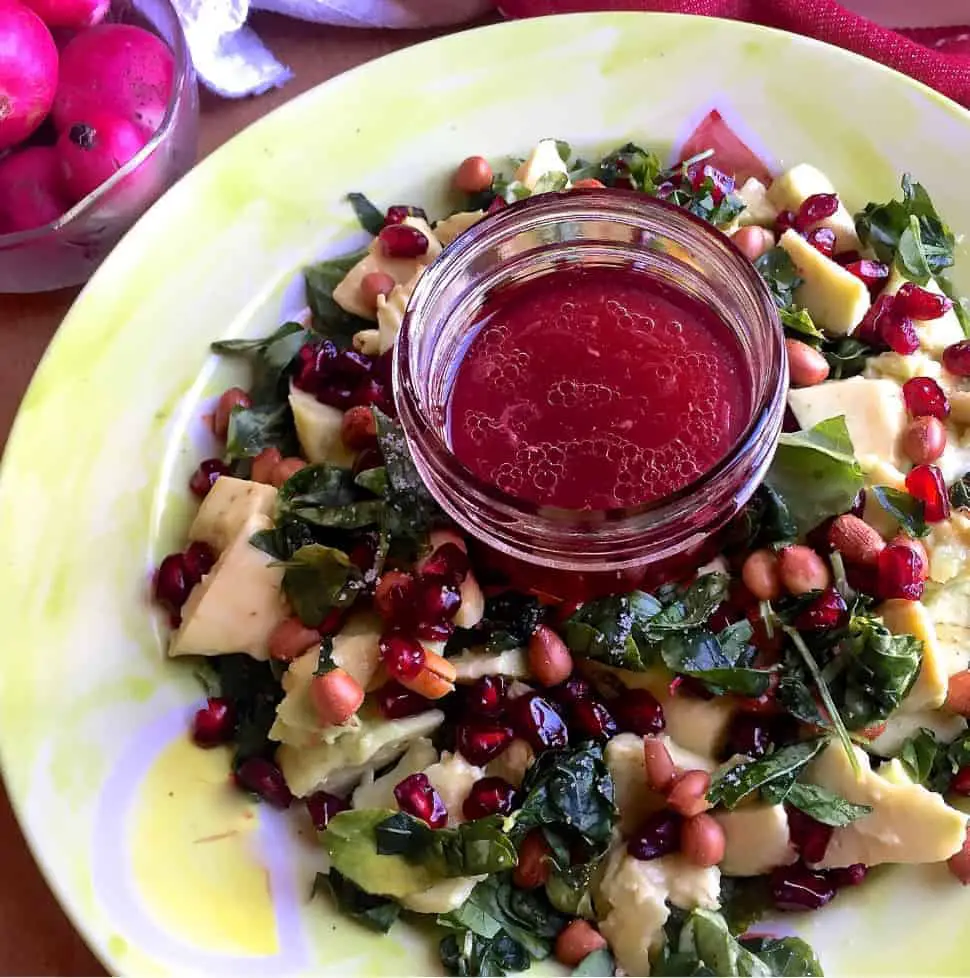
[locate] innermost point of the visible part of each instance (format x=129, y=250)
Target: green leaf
x=909, y=232
x=959, y=492
x=467, y=953
x=780, y=768
x=689, y=609
x=766, y=521
x=846, y=357
x=373, y=480
x=778, y=270
x=702, y=655
x=325, y=661
x=816, y=473
x=317, y=579
x=629, y=162
x=271, y=359
x=284, y=539
x=376, y=912
x=256, y=692
x=569, y=791
x=961, y=306
x=744, y=901
x=603, y=629
x=564, y=150
x=824, y=806
x=786, y=957
x=411, y=510
x=261, y=426
x=921, y=754
x=470, y=849
x=705, y=946
x=329, y=318
x=907, y=510
x=371, y=219
x=598, y=963
x=317, y=485
x=799, y=324
x=880, y=671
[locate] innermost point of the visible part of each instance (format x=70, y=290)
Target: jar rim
x=628, y=207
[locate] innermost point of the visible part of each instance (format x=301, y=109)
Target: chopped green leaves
x=255, y=690
x=371, y=219
x=785, y=957
x=467, y=953
x=907, y=510
x=263, y=426
x=270, y=358
x=780, y=275
x=317, y=579
x=816, y=473
x=776, y=773
x=932, y=763
x=909, y=232
x=629, y=162
x=604, y=629
x=376, y=912
x=959, y=492
x=598, y=963
x=846, y=357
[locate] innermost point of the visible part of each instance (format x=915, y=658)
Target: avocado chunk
x=236, y=606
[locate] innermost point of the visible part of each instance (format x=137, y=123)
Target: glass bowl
x=67, y=251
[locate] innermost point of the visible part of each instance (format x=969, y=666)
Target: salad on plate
x=647, y=782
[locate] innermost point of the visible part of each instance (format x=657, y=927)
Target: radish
x=28, y=72
x=92, y=152
x=31, y=191
x=75, y=14
x=115, y=68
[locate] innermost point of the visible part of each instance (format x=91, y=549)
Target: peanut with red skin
x=659, y=765
x=231, y=399
x=474, y=175
x=958, y=693
x=532, y=869
x=759, y=574
x=688, y=793
x=290, y=639
x=806, y=366
x=336, y=697
x=702, y=840
x=375, y=284
x=753, y=241
x=802, y=570
x=549, y=659
x=264, y=464
x=576, y=941
x=855, y=539
x=924, y=440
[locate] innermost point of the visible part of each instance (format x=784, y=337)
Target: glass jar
x=572, y=554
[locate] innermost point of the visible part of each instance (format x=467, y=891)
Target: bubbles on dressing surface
x=611, y=393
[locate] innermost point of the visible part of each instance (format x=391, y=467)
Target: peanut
x=659, y=764
x=855, y=539
x=959, y=862
x=549, y=660
x=702, y=840
x=802, y=570
x=336, y=696
x=760, y=575
x=358, y=429
x=532, y=869
x=753, y=241
x=231, y=399
x=958, y=693
x=375, y=284
x=806, y=366
x=285, y=468
x=589, y=183
x=688, y=794
x=264, y=464
x=290, y=639
x=474, y=175
x=924, y=440
x=368, y=342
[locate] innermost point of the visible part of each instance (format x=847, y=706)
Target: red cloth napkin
x=938, y=57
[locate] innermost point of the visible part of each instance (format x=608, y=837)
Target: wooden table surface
x=35, y=936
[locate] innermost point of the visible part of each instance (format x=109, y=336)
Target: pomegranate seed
x=848, y=257
x=826, y=611
x=798, y=888
x=403, y=657
x=449, y=563
x=637, y=711
x=402, y=241
x=690, y=686
x=535, y=720
x=497, y=204
x=872, y=328
x=489, y=796
x=215, y=723
x=785, y=221
x=198, y=560
x=814, y=209
x=322, y=807
x=722, y=183
x=371, y=393
x=822, y=240
x=436, y=601
x=809, y=836
x=918, y=303
x=416, y=796
x=478, y=743
x=394, y=598
x=925, y=398
x=849, y=875
x=658, y=835
x=956, y=358
x=486, y=696
x=438, y=631
x=335, y=395
x=395, y=702
x=332, y=622
x=204, y=477
x=901, y=572
x=574, y=689
x=398, y=213
x=316, y=364
x=172, y=583
x=369, y=458
x=665, y=189
x=749, y=735
x=590, y=720
x=265, y=779
x=363, y=553
x=395, y=595
x=961, y=781
x=900, y=334
x=925, y=482
x=873, y=273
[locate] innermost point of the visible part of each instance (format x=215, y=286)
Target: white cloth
x=232, y=61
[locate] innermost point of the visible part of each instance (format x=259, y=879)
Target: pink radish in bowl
x=91, y=152
x=31, y=189
x=116, y=68
x=28, y=72
x=75, y=14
